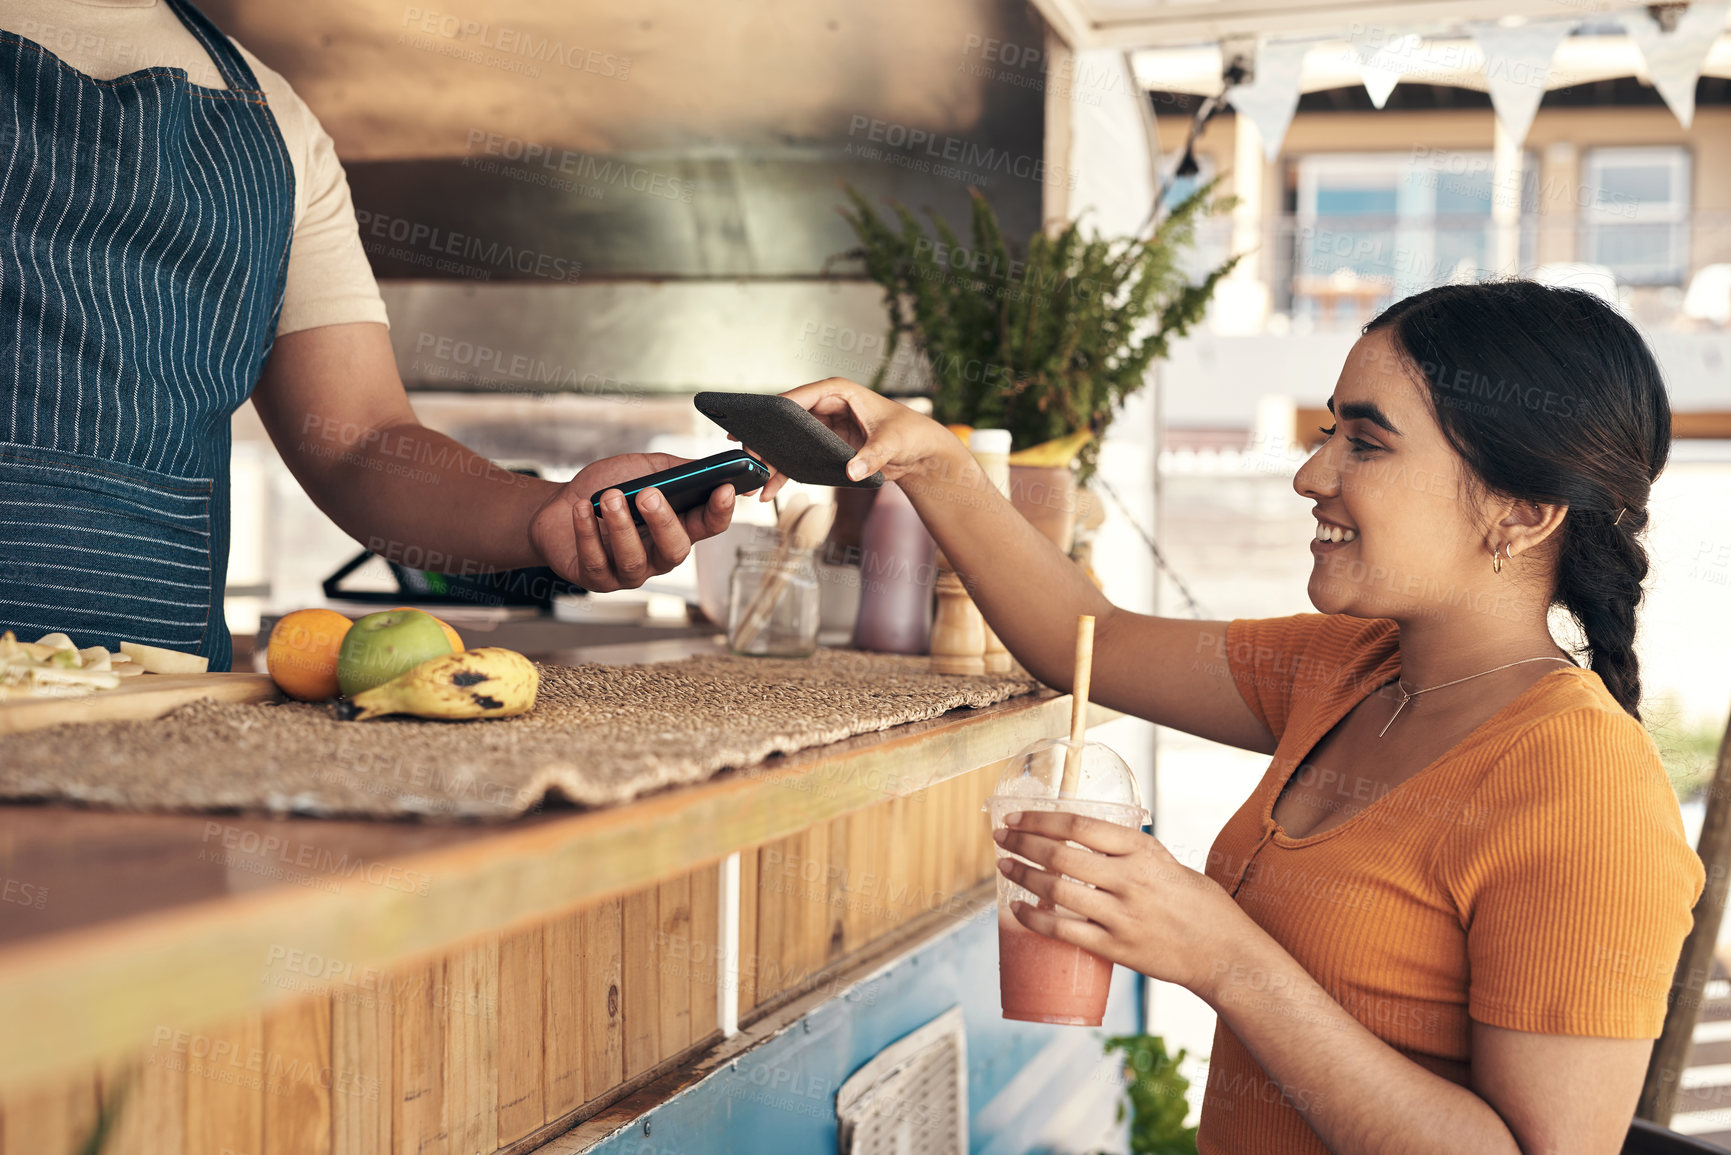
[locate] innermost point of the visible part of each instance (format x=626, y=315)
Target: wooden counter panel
x=142, y=923
x=826, y=893
x=51, y=1118
x=225, y=1108
x=548, y=963
x=749, y=918
x=468, y=1052
x=470, y=1067
x=522, y=1033
x=297, y=1085
x=363, y=1072
x=148, y=1090
x=511, y=1034
x=598, y=1012
x=702, y=962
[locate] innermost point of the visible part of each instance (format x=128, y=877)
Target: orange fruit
x=456, y=639
x=302, y=654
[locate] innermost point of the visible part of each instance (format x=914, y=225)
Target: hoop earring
x=1497, y=561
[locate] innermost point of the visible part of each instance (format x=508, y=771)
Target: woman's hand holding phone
x=884, y=434
x=1029, y=591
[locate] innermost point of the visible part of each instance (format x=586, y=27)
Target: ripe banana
x=1059, y=451
x=491, y=682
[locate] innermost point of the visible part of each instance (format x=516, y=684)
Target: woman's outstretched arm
x=1171, y=671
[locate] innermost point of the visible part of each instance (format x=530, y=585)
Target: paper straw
x=1078, y=705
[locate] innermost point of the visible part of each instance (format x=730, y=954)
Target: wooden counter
x=368, y=987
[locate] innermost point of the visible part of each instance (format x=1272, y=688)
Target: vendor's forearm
x=1029, y=592
x=421, y=499
x=1359, y=1094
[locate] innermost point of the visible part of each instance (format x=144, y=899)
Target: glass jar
x=772, y=604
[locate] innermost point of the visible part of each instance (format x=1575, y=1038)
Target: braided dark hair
x=1550, y=395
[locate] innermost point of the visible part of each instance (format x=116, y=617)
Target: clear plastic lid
x=1037, y=773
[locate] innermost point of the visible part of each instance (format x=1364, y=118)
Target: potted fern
x=1045, y=340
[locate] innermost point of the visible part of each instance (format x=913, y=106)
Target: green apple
x=380, y=646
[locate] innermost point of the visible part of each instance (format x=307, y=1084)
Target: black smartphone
x=689, y=485
x=782, y=433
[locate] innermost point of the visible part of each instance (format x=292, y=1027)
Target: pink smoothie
x=1042, y=980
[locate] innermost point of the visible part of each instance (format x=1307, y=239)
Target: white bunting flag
x=1674, y=58
x=1270, y=98
x=1383, y=59
x=1518, y=68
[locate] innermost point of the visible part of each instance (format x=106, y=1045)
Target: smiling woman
x=1551, y=400
x=1447, y=918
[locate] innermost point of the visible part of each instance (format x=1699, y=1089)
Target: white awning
x=1451, y=60
x=1131, y=24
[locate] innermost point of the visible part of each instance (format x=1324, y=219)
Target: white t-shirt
x=329, y=280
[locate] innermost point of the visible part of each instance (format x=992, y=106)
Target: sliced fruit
x=58, y=641
x=156, y=660
x=48, y=670
x=91, y=679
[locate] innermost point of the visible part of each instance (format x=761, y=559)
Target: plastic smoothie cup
x=1040, y=979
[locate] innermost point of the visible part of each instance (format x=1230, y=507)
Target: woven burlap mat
x=598, y=735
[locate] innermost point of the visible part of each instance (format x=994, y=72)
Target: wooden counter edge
x=90, y=994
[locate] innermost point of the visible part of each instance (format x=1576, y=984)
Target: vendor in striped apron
x=145, y=229
x=144, y=232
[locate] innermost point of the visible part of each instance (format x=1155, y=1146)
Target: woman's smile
x=1330, y=537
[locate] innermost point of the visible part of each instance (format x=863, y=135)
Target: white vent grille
x=911, y=1098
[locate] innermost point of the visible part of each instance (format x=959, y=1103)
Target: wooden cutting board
x=145, y=696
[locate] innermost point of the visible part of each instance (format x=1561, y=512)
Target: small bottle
x=896, y=574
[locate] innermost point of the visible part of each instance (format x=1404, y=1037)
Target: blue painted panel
x=1021, y=1076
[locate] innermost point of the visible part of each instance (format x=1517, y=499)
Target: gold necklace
x=1407, y=696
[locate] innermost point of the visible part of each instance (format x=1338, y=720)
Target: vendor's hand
x=612, y=553
x=884, y=434
x=1146, y=910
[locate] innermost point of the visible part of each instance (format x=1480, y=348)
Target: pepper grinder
x=958, y=630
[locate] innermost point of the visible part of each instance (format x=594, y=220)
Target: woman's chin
x=1335, y=597
x=1330, y=595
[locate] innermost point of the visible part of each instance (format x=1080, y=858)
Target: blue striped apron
x=144, y=235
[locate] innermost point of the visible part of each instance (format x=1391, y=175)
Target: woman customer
x=1448, y=917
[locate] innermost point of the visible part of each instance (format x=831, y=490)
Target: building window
x=1636, y=215
x=1370, y=228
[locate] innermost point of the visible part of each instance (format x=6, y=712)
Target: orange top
x=1534, y=877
